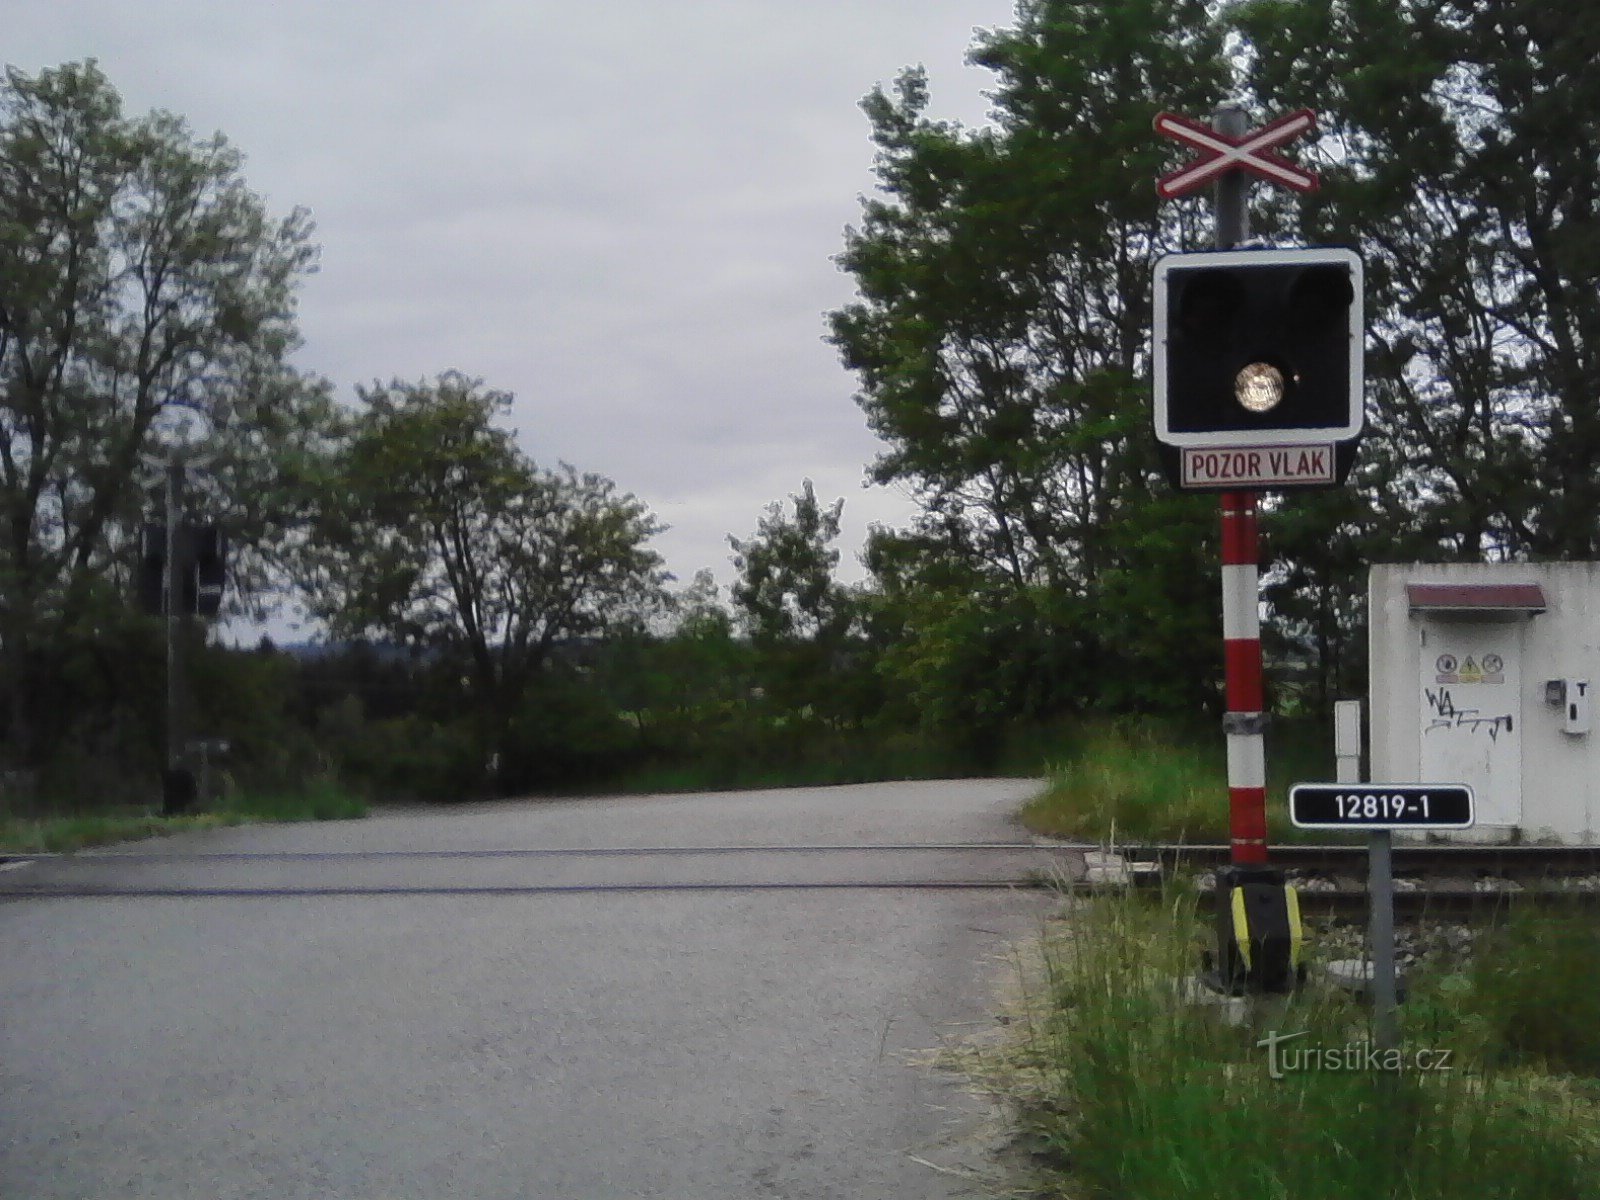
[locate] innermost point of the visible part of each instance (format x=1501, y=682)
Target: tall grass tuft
x=1132, y=782
x=1530, y=995
x=1150, y=780
x=1147, y=1094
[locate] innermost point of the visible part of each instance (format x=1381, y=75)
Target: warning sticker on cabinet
x=1469, y=670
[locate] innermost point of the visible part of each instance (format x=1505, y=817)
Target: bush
x=411, y=758
x=567, y=734
x=320, y=800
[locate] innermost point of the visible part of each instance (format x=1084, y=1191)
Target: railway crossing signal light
x=202, y=568
x=1259, y=350
x=210, y=548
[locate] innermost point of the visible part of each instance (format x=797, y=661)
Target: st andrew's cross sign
x=1222, y=153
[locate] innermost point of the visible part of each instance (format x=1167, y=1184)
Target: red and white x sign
x=1252, y=152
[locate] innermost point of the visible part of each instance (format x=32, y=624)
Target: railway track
x=1432, y=881
x=129, y=856
x=1443, y=903
x=1505, y=862
x=920, y=866
x=1445, y=882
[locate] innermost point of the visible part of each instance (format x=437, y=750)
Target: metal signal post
x=177, y=787
x=1241, y=641
x=1241, y=555
x=1259, y=933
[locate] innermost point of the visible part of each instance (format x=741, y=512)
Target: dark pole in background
x=177, y=791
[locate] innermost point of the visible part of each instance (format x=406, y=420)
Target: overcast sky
x=622, y=211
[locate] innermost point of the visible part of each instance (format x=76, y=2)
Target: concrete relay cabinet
x=1485, y=674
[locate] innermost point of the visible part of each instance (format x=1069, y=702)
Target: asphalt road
x=398, y=1007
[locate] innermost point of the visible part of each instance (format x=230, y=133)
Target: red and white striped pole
x=1241, y=597
x=1241, y=634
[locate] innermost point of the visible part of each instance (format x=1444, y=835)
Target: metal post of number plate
x=1380, y=932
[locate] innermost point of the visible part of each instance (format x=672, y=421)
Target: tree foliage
x=1000, y=338
x=434, y=530
x=1461, y=159
x=138, y=276
x=786, y=590
x=1001, y=341
x=1464, y=135
x=800, y=620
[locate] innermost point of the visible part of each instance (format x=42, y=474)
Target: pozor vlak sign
x=1258, y=367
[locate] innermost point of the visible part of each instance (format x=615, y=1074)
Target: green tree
x=698, y=610
x=708, y=666
x=697, y=676
x=138, y=276
x=962, y=654
x=434, y=530
x=1462, y=135
x=1318, y=548
x=1001, y=341
x=786, y=590
x=1450, y=132
x=684, y=685
x=798, y=617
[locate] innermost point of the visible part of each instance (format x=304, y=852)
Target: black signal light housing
x=1259, y=348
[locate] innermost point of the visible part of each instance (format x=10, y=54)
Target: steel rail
x=1439, y=902
x=535, y=852
x=1331, y=859
x=81, y=891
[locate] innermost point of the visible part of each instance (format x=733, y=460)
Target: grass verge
x=64, y=834
x=1149, y=781
x=59, y=833
x=1127, y=1089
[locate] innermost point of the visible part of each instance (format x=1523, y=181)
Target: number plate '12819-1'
x=1381, y=806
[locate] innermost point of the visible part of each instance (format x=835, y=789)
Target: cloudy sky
x=622, y=211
